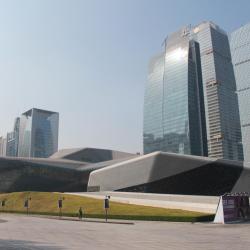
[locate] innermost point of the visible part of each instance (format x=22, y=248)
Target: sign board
x=232, y=208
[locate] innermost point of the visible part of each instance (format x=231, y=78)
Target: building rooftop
x=28, y=112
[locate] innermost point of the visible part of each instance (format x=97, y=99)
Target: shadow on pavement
x=25, y=245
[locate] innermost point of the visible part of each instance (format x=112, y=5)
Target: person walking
x=80, y=213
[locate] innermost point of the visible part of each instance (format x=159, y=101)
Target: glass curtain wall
x=240, y=49
x=172, y=110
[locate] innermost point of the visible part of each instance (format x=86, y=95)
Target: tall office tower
x=221, y=101
x=16, y=134
x=38, y=133
x=170, y=105
x=240, y=49
x=13, y=139
x=10, y=144
x=3, y=142
x=174, y=118
x=1, y=146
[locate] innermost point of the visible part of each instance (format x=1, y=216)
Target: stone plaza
x=37, y=233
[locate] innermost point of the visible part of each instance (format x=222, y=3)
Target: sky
x=88, y=60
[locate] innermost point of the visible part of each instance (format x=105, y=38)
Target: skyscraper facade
x=3, y=142
x=221, y=101
x=173, y=109
x=240, y=49
x=38, y=133
x=212, y=105
x=13, y=139
x=10, y=144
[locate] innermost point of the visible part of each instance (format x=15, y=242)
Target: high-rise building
x=10, y=144
x=178, y=90
x=38, y=133
x=240, y=49
x=174, y=118
x=13, y=139
x=221, y=101
x=3, y=144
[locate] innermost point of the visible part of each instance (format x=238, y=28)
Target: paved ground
x=19, y=232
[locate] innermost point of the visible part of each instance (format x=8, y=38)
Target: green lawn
x=47, y=203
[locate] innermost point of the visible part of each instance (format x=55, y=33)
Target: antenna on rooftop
x=164, y=43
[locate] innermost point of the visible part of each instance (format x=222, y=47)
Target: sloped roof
x=91, y=155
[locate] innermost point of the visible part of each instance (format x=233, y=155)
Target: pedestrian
x=80, y=213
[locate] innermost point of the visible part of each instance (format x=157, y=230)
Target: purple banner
x=235, y=207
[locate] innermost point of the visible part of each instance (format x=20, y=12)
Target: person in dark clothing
x=80, y=213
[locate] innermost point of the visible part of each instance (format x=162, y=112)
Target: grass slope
x=47, y=203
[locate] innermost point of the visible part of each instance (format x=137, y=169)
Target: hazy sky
x=88, y=61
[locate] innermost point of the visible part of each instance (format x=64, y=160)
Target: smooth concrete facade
x=197, y=203
x=169, y=173
x=62, y=172
x=89, y=169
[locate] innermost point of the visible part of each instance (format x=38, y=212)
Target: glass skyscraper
x=190, y=102
x=3, y=142
x=38, y=134
x=10, y=145
x=240, y=49
x=173, y=109
x=221, y=101
x=13, y=139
